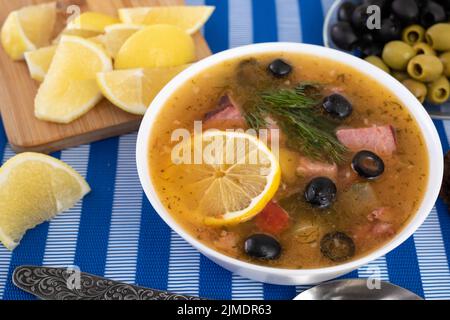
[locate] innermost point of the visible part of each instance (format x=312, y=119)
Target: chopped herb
x=295, y=110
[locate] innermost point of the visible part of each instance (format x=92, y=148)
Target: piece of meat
x=227, y=109
x=308, y=168
x=227, y=115
x=378, y=139
x=273, y=219
x=379, y=226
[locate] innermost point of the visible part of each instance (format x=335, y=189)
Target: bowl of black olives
x=409, y=39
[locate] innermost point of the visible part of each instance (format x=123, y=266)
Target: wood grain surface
x=18, y=90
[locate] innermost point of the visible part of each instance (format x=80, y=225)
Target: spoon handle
x=70, y=284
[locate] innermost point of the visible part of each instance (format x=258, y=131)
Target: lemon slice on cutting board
x=234, y=182
x=117, y=34
x=87, y=34
x=156, y=46
x=34, y=188
x=70, y=88
x=28, y=29
x=133, y=90
x=92, y=21
x=39, y=61
x=189, y=18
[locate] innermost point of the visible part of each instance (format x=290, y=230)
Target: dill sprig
x=296, y=112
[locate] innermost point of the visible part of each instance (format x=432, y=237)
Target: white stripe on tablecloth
x=123, y=241
x=63, y=230
x=243, y=288
x=184, y=267
x=375, y=269
x=5, y=254
x=447, y=129
x=288, y=21
x=240, y=19
x=433, y=264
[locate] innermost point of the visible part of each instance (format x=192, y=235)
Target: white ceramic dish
x=289, y=276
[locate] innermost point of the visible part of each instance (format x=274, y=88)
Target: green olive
x=376, y=61
x=425, y=68
x=445, y=58
x=396, y=54
x=400, y=75
x=413, y=34
x=417, y=88
x=438, y=36
x=423, y=48
x=439, y=91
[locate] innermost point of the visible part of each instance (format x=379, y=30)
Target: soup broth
x=366, y=212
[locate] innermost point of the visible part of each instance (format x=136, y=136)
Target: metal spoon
x=356, y=289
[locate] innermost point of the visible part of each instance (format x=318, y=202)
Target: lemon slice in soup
x=237, y=177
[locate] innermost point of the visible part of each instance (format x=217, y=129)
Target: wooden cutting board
x=18, y=90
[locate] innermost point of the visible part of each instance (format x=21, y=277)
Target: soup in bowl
x=289, y=163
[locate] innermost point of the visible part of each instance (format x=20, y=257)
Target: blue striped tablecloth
x=116, y=233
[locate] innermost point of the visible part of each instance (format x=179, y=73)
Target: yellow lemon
x=34, y=188
x=39, y=61
x=28, y=29
x=189, y=18
x=70, y=88
x=133, y=90
x=117, y=34
x=156, y=46
x=92, y=21
x=237, y=177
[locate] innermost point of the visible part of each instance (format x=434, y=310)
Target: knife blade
x=49, y=283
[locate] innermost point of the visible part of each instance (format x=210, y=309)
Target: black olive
x=370, y=49
x=262, y=246
x=384, y=5
x=431, y=14
x=345, y=11
x=343, y=35
x=280, y=68
x=391, y=29
x=320, y=192
x=359, y=18
x=368, y=165
x=337, y=246
x=444, y=3
x=406, y=10
x=337, y=106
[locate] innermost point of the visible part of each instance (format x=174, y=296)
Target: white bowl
x=291, y=276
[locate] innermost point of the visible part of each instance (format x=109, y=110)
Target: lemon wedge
x=34, y=188
x=133, y=90
x=117, y=34
x=28, y=29
x=156, y=46
x=70, y=88
x=234, y=182
x=78, y=33
x=39, y=61
x=189, y=18
x=92, y=21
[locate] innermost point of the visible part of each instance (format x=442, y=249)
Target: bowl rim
x=423, y=120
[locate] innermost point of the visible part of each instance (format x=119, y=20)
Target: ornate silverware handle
x=70, y=284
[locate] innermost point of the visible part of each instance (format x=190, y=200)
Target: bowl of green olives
x=411, y=42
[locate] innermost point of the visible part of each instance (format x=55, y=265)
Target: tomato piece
x=273, y=219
